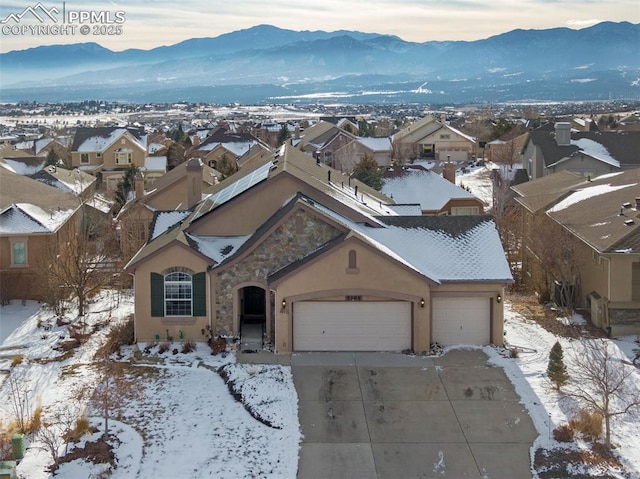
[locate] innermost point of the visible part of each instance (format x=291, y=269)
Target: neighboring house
x=379, y=149
x=317, y=262
x=106, y=152
x=600, y=218
x=342, y=150
x=348, y=123
x=430, y=138
x=42, y=147
x=557, y=147
x=178, y=190
x=506, y=151
x=232, y=146
x=34, y=218
x=414, y=184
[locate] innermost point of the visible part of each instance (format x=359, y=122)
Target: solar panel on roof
x=242, y=185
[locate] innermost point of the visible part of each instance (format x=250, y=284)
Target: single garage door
x=351, y=326
x=461, y=320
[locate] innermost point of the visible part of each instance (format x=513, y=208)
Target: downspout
x=608, y=277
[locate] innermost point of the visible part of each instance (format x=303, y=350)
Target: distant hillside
x=599, y=62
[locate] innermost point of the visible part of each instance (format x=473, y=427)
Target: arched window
x=178, y=294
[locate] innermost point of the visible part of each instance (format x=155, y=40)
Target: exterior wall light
x=284, y=304
x=499, y=298
x=422, y=302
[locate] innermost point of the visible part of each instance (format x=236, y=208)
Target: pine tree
x=368, y=171
x=556, y=370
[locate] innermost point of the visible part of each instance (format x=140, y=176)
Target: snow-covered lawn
x=186, y=422
x=550, y=409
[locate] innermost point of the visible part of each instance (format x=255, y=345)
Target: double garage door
x=351, y=326
x=461, y=320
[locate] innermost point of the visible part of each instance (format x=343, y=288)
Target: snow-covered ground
x=478, y=180
x=188, y=424
x=550, y=409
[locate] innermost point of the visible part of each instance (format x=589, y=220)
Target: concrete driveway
x=378, y=415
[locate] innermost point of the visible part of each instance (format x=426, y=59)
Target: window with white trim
x=123, y=158
x=178, y=294
x=84, y=157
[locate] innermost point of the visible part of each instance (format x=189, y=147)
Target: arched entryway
x=253, y=317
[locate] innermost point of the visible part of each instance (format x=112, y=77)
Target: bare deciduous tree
x=603, y=383
x=78, y=262
x=113, y=389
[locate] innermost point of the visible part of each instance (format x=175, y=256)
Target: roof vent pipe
x=356, y=191
x=329, y=176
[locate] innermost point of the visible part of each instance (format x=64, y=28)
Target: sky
x=147, y=24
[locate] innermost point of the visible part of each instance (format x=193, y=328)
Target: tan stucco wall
x=377, y=277
x=146, y=326
x=24, y=282
x=583, y=165
x=621, y=267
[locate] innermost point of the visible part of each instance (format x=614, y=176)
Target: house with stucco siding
x=320, y=262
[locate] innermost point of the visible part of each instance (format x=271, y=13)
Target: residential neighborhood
x=257, y=245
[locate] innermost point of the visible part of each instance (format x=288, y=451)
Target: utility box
x=17, y=446
x=8, y=470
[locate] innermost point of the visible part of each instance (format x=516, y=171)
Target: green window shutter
x=199, y=283
x=157, y=295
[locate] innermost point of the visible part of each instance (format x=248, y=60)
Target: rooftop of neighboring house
x=415, y=184
x=71, y=181
x=604, y=212
x=98, y=139
x=28, y=206
x=23, y=165
x=617, y=148
x=34, y=146
x=222, y=136
x=375, y=144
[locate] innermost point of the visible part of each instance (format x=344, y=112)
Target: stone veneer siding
x=283, y=247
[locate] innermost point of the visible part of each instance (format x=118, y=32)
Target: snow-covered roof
x=407, y=210
x=458, y=132
x=441, y=248
x=24, y=166
x=25, y=218
x=586, y=193
x=155, y=163
x=101, y=142
x=217, y=248
x=428, y=189
x=376, y=144
x=155, y=147
x=595, y=150
x=165, y=220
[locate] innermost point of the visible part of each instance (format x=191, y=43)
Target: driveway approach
x=377, y=415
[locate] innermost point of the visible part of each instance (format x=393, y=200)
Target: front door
x=253, y=318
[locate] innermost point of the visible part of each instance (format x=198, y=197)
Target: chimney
x=138, y=182
x=195, y=141
x=443, y=118
x=194, y=181
x=638, y=203
x=563, y=133
x=449, y=172
x=296, y=134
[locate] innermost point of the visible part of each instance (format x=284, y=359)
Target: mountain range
x=269, y=64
